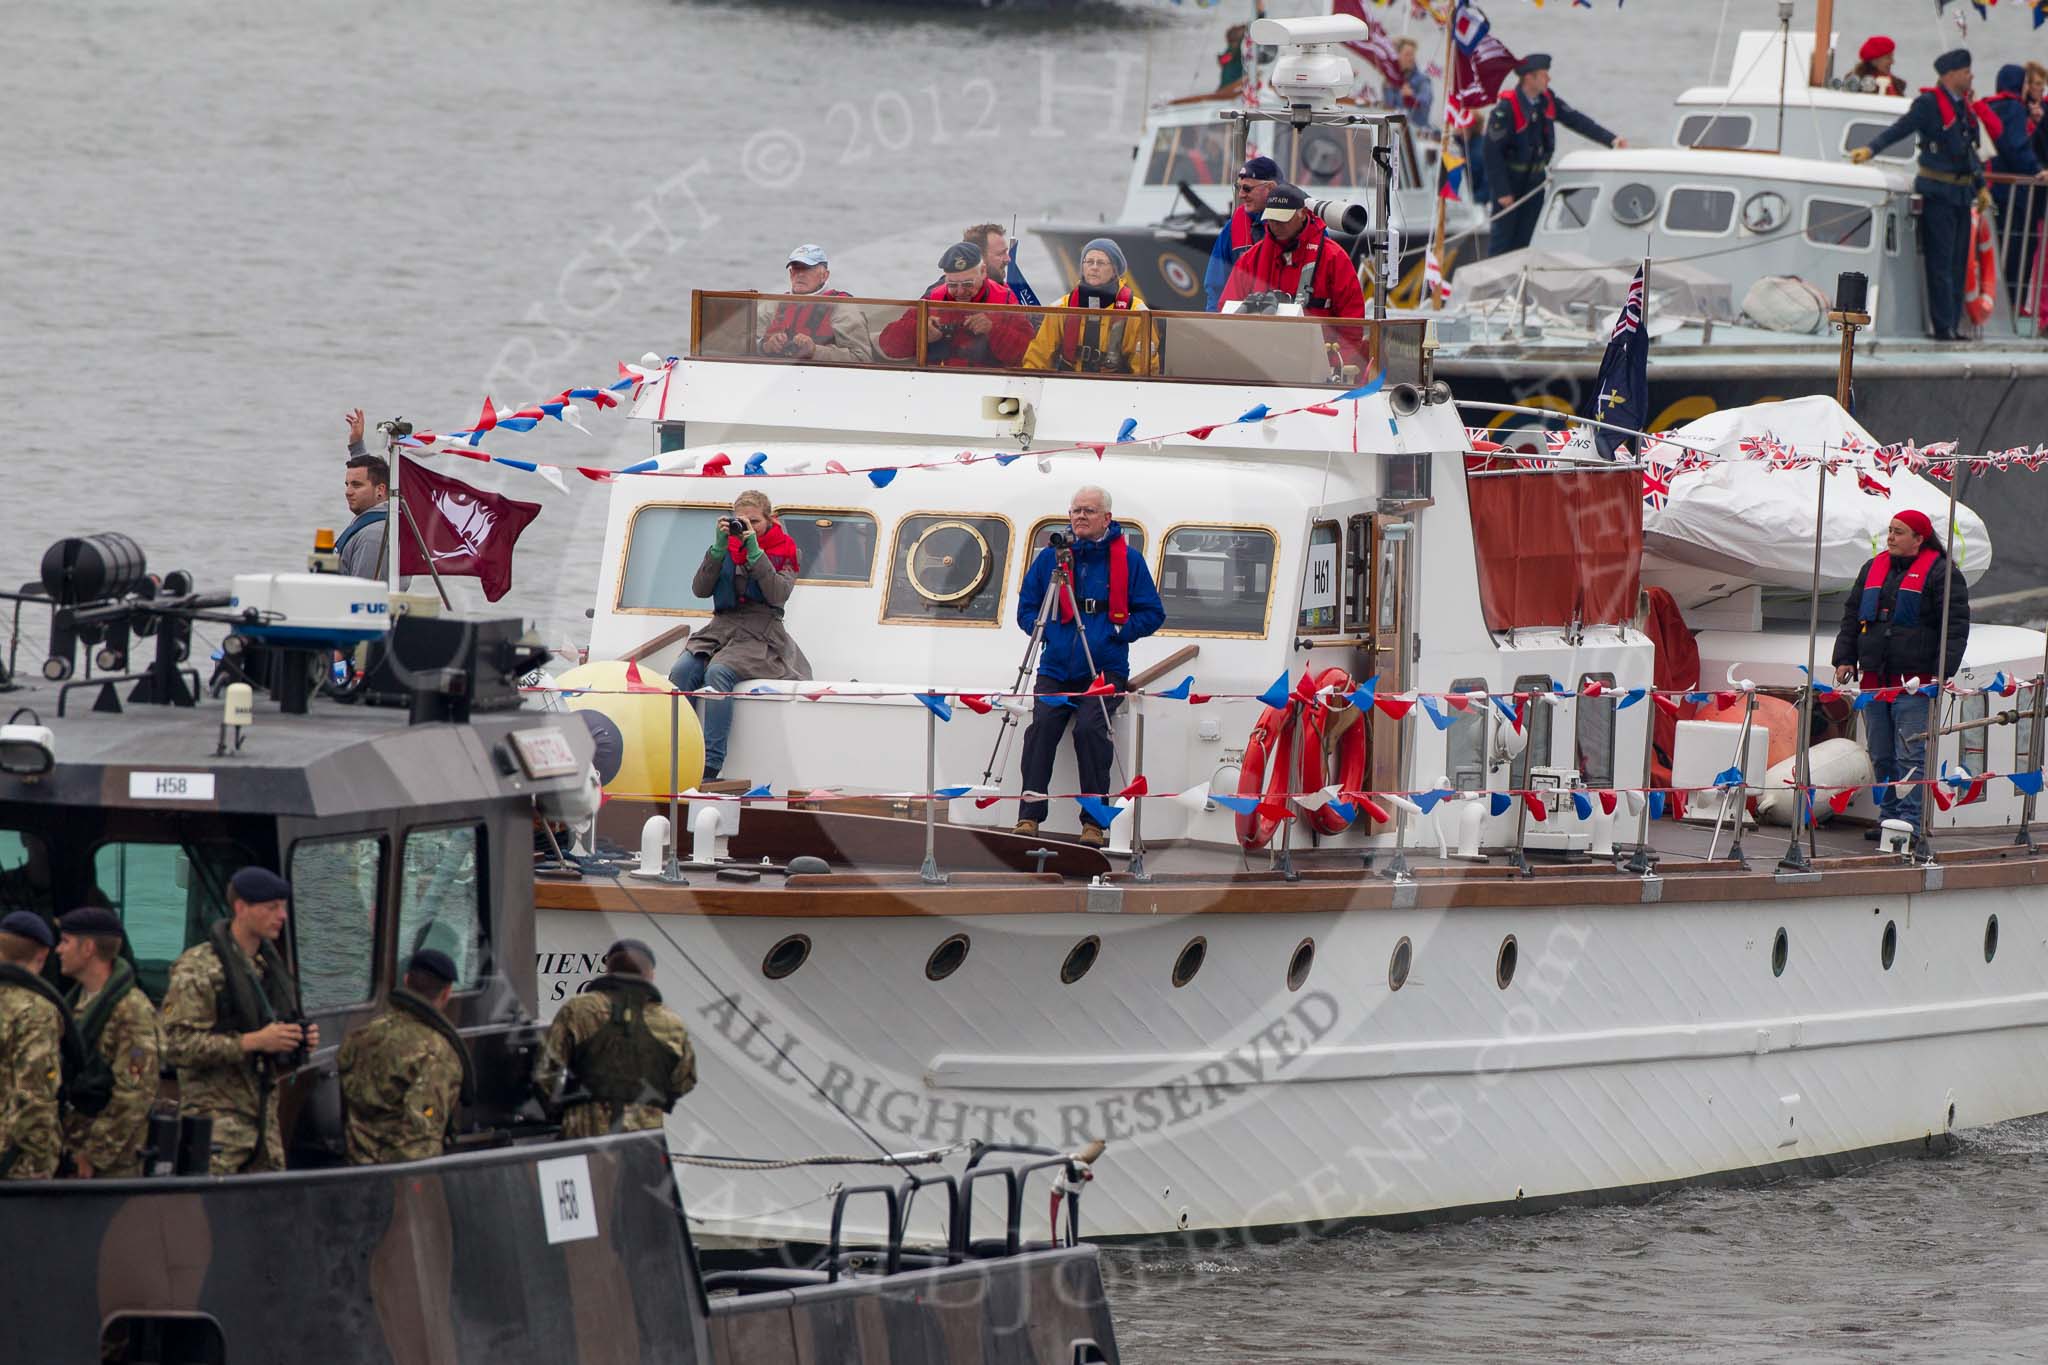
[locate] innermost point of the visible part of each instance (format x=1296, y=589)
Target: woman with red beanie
x=1873, y=70
x=1891, y=635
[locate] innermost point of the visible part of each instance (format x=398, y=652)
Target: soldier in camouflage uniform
x=231, y=1024
x=117, y=1034
x=626, y=1055
x=32, y=1037
x=404, y=1071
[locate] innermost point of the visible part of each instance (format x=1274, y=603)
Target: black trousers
x=1945, y=238
x=1513, y=232
x=1094, y=748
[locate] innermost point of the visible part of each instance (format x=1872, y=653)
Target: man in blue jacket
x=1237, y=236
x=1113, y=600
x=2011, y=124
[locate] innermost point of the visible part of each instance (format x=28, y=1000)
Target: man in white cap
x=806, y=327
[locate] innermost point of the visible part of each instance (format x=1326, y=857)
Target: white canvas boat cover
x=1564, y=282
x=1740, y=517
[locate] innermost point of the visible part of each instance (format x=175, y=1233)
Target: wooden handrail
x=679, y=631
x=1146, y=677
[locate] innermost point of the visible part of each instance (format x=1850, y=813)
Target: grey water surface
x=228, y=223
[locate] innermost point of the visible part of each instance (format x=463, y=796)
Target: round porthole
x=1190, y=960
x=1764, y=212
x=1888, y=946
x=946, y=958
x=1990, y=937
x=1298, y=965
x=949, y=562
x=1634, y=204
x=1398, y=965
x=786, y=956
x=1080, y=958
x=1781, y=953
x=1504, y=962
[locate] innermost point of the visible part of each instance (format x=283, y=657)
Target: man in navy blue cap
x=1521, y=138
x=119, y=1042
x=231, y=1022
x=33, y=1041
x=404, y=1073
x=1948, y=179
x=1255, y=182
x=625, y=1056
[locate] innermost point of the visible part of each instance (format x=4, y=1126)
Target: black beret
x=1535, y=61
x=258, y=886
x=434, y=963
x=28, y=924
x=90, y=919
x=630, y=945
x=960, y=256
x=1956, y=59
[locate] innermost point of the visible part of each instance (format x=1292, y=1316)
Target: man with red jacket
x=1297, y=260
x=957, y=338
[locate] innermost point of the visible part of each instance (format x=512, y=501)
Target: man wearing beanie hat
x=1891, y=635
x=1948, y=179
x=405, y=1071
x=232, y=1024
x=1873, y=69
x=1255, y=181
x=120, y=1045
x=953, y=336
x=1114, y=342
x=625, y=1056
x=34, y=1037
x=1521, y=137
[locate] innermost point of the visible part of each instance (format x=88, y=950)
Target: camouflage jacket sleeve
x=30, y=1032
x=668, y=1027
x=132, y=1049
x=553, y=1061
x=189, y=1011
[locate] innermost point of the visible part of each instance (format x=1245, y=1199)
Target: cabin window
x=1196, y=153
x=1572, y=208
x=336, y=884
x=24, y=873
x=948, y=570
x=833, y=545
x=1862, y=134
x=1702, y=212
x=1133, y=533
x=167, y=896
x=1715, y=130
x=1537, y=715
x=1466, y=740
x=1358, y=574
x=1976, y=742
x=664, y=545
x=440, y=902
x=1829, y=222
x=1593, y=731
x=1319, y=584
x=2022, y=737
x=1216, y=580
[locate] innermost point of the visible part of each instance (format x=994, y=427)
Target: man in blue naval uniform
x=1521, y=137
x=1949, y=178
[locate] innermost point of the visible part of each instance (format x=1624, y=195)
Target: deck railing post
x=1137, y=867
x=672, y=870
x=1640, y=863
x=930, y=873
x=2033, y=757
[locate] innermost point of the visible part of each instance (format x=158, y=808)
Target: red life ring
x=1284, y=753
x=1980, y=276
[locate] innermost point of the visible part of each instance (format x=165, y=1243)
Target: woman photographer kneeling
x=748, y=573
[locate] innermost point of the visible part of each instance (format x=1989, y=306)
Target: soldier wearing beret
x=1521, y=137
x=119, y=1043
x=626, y=1056
x=231, y=1021
x=404, y=1072
x=33, y=1037
x=954, y=336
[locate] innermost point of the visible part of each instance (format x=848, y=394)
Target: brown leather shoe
x=1094, y=836
x=1028, y=828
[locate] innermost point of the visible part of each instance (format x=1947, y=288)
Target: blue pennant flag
x=757, y=463
x=949, y=793
x=1499, y=802
x=1363, y=695
x=1928, y=689
x=1430, y=800
x=1255, y=413
x=1009, y=459
x=1879, y=792
x=1583, y=805
x=1820, y=689
x=1345, y=810
x=1507, y=709
x=1367, y=389
x=1728, y=777
x=2029, y=783
x=518, y=423
x=1656, y=805
x=643, y=467
x=881, y=478
x=1699, y=698
x=527, y=465
x=763, y=790
x=1243, y=805
x=1435, y=710
x=1276, y=695
x=936, y=704
x=1863, y=700
x=1125, y=432
x=1181, y=690
x=1054, y=699
x=1621, y=395
x=1100, y=811
x=1631, y=697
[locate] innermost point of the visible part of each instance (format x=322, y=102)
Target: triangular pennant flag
x=1276, y=695
x=757, y=463
x=1316, y=800
x=1508, y=709
x=1608, y=801
x=1363, y=694
x=1436, y=714
x=635, y=682
x=1127, y=430
x=1322, y=409
x=754, y=793
x=1243, y=805
x=949, y=793
x=1728, y=777
x=1137, y=787
x=1194, y=798
x=1630, y=698
x=1582, y=805
x=881, y=478
x=2029, y=783
x=1367, y=389
x=1657, y=805
x=1538, y=811
x=1099, y=811
x=1394, y=707
x=1429, y=800
x=1274, y=810
x=1498, y=802
x=976, y=703
x=718, y=464
x=1181, y=690
x=984, y=802
x=1101, y=687
x=1201, y=433
x=1054, y=699
x=1257, y=412
x=1842, y=800
x=935, y=704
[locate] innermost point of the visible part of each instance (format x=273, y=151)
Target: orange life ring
x=1284, y=753
x=1980, y=276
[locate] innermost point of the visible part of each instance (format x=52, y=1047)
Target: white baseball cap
x=810, y=253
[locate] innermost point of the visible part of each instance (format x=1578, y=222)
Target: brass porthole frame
x=939, y=599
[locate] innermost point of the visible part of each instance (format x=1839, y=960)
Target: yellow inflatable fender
x=642, y=719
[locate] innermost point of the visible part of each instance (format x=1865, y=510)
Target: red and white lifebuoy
x=1980, y=276
x=1285, y=753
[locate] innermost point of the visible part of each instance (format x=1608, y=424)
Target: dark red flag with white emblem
x=468, y=533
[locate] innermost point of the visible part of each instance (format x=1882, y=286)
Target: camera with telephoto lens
x=732, y=526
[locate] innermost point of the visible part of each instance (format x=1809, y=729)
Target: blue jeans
x=694, y=671
x=1894, y=757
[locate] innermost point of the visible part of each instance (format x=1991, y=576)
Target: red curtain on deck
x=1551, y=546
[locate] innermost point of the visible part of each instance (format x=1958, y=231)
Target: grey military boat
x=405, y=825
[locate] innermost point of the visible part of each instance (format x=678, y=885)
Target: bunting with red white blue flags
x=1622, y=393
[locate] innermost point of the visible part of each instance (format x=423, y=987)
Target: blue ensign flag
x=1622, y=396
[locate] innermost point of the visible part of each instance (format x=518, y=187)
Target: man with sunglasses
x=1255, y=181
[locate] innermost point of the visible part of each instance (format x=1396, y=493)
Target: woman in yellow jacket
x=1119, y=341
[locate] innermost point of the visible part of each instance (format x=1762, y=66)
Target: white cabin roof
x=1688, y=162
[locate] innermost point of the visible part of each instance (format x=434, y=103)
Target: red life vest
x=1119, y=583
x=1906, y=606
x=958, y=346
x=1240, y=232
x=813, y=320
x=1993, y=124
x=1521, y=117
x=1108, y=332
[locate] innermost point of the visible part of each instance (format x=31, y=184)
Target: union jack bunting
x=1870, y=485
x=1891, y=457
x=1941, y=469
x=2032, y=463
x=1656, y=489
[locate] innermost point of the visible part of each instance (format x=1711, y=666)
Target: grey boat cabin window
x=1465, y=741
x=948, y=569
x=1041, y=533
x=1216, y=580
x=1861, y=132
x=1976, y=745
x=167, y=895
x=1195, y=152
x=832, y=545
x=1830, y=222
x=336, y=884
x=24, y=873
x=1571, y=208
x=1593, y=731
x=1537, y=716
x=1707, y=212
x=441, y=899
x=1715, y=130
x=664, y=545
